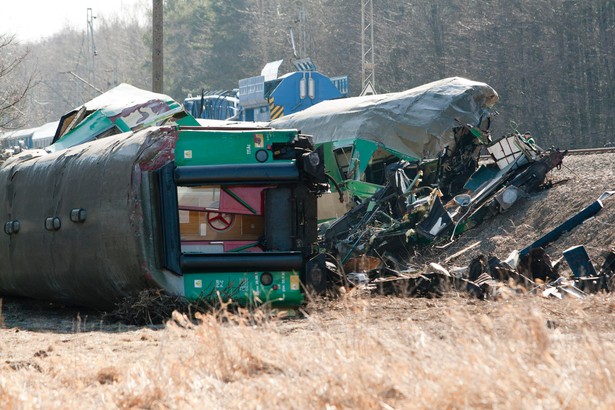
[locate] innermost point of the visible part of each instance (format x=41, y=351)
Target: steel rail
x=578, y=151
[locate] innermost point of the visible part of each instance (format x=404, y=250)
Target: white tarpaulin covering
x=417, y=122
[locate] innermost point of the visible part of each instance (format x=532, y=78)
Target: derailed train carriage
x=407, y=167
x=440, y=127
x=199, y=212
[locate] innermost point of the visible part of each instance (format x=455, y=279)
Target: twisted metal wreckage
x=397, y=200
x=134, y=193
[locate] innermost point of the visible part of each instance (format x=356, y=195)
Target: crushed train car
x=207, y=213
x=439, y=128
x=400, y=217
x=408, y=164
x=124, y=108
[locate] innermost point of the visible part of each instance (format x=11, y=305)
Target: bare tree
x=15, y=82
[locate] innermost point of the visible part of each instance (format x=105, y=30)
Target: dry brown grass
x=353, y=353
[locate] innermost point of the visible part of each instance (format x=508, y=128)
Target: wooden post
x=157, y=43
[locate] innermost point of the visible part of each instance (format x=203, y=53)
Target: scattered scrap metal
x=406, y=213
x=383, y=233
x=487, y=277
x=407, y=167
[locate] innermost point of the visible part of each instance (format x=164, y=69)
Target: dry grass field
x=358, y=351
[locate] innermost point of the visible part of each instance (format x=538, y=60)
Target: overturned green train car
x=203, y=213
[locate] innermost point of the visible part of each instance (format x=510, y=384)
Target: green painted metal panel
x=480, y=176
x=227, y=147
x=121, y=124
x=361, y=189
x=187, y=121
x=362, y=152
x=91, y=127
x=330, y=165
x=244, y=288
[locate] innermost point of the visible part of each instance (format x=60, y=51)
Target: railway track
x=584, y=151
x=580, y=151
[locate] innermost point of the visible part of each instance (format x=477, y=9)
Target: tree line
x=552, y=62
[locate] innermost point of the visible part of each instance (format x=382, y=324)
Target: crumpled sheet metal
x=417, y=122
x=113, y=252
x=133, y=105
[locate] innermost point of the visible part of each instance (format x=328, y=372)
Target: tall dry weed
x=356, y=352
x=509, y=360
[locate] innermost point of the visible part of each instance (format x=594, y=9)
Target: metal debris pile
x=488, y=277
x=378, y=242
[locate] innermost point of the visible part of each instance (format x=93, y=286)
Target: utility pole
x=368, y=66
x=92, y=52
x=157, y=43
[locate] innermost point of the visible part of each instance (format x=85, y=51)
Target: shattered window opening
x=108, y=133
x=342, y=158
x=375, y=173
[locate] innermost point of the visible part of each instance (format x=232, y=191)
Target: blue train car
x=268, y=96
x=218, y=106
x=293, y=92
x=20, y=138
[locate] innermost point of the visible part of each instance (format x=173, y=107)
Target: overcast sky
x=33, y=20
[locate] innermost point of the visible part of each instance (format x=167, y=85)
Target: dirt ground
x=359, y=351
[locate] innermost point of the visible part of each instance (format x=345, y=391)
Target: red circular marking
x=220, y=221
